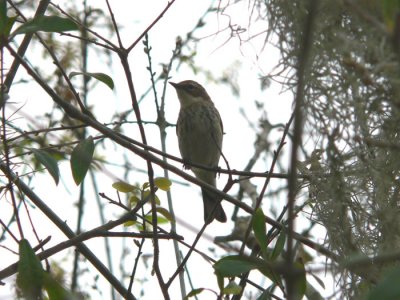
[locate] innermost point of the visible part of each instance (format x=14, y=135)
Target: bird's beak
x=173, y=84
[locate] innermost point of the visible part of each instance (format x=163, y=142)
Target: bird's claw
x=219, y=171
x=186, y=166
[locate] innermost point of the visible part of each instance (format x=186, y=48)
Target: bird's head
x=190, y=92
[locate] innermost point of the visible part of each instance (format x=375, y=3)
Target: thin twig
x=303, y=62
x=150, y=26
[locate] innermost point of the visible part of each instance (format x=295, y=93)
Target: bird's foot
x=186, y=166
x=219, y=171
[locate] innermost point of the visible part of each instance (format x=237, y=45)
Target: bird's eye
x=191, y=87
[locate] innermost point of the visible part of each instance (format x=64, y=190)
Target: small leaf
x=220, y=280
x=104, y=78
x=49, y=162
x=165, y=213
x=236, y=265
x=193, y=293
x=160, y=220
x=279, y=245
x=300, y=281
x=55, y=290
x=124, y=187
x=146, y=196
x=30, y=272
x=304, y=255
x=133, y=200
x=81, y=158
x=47, y=24
x=260, y=230
x=6, y=26
x=232, y=289
x=129, y=223
x=6, y=23
x=163, y=183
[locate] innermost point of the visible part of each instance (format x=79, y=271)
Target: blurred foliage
x=351, y=108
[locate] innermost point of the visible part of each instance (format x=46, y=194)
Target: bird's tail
x=212, y=201
x=212, y=207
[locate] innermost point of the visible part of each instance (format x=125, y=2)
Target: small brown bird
x=199, y=130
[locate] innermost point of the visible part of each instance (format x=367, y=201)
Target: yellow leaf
x=165, y=213
x=133, y=200
x=162, y=183
x=123, y=187
x=129, y=223
x=146, y=194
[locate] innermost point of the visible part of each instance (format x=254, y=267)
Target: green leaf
x=279, y=245
x=236, y=265
x=220, y=280
x=129, y=223
x=232, y=289
x=81, y=158
x=30, y=275
x=124, y=187
x=55, y=290
x=388, y=288
x=163, y=183
x=160, y=220
x=8, y=26
x=6, y=23
x=49, y=162
x=147, y=194
x=165, y=213
x=193, y=293
x=133, y=200
x=300, y=283
x=47, y=24
x=260, y=230
x=104, y=78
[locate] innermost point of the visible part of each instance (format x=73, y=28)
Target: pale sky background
x=212, y=54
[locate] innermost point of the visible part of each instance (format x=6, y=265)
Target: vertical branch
x=123, y=54
x=85, y=90
x=162, y=125
x=303, y=62
x=5, y=143
x=75, y=273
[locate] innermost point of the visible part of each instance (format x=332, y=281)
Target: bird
x=200, y=131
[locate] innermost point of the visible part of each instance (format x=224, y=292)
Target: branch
x=303, y=63
x=82, y=248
